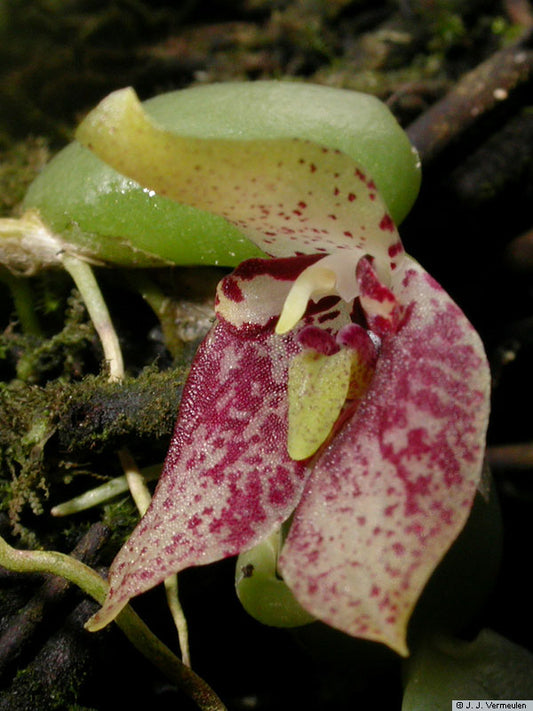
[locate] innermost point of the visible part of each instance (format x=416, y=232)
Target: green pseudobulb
x=112, y=218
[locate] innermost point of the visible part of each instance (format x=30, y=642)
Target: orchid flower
x=341, y=391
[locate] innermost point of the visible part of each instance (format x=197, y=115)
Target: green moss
x=49, y=433
x=25, y=427
x=53, y=680
x=101, y=414
x=37, y=357
x=121, y=516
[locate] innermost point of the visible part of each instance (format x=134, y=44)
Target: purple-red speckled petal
x=393, y=490
x=228, y=481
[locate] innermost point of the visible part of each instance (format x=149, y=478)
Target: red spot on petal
x=231, y=290
x=329, y=316
x=387, y=223
x=398, y=548
x=395, y=249
x=284, y=268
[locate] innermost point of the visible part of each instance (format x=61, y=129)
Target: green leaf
x=490, y=667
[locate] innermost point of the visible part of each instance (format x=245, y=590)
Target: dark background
x=470, y=228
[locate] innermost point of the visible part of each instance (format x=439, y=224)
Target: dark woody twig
x=478, y=93
x=519, y=12
x=54, y=590
x=58, y=670
x=511, y=456
x=520, y=252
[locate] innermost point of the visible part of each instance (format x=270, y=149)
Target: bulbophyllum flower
x=340, y=388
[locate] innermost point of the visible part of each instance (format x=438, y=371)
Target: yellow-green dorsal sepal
x=286, y=195
x=97, y=213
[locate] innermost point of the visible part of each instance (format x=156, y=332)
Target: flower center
x=331, y=374
x=334, y=274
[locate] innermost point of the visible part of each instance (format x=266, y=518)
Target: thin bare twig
x=511, y=456
x=477, y=93
x=519, y=12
